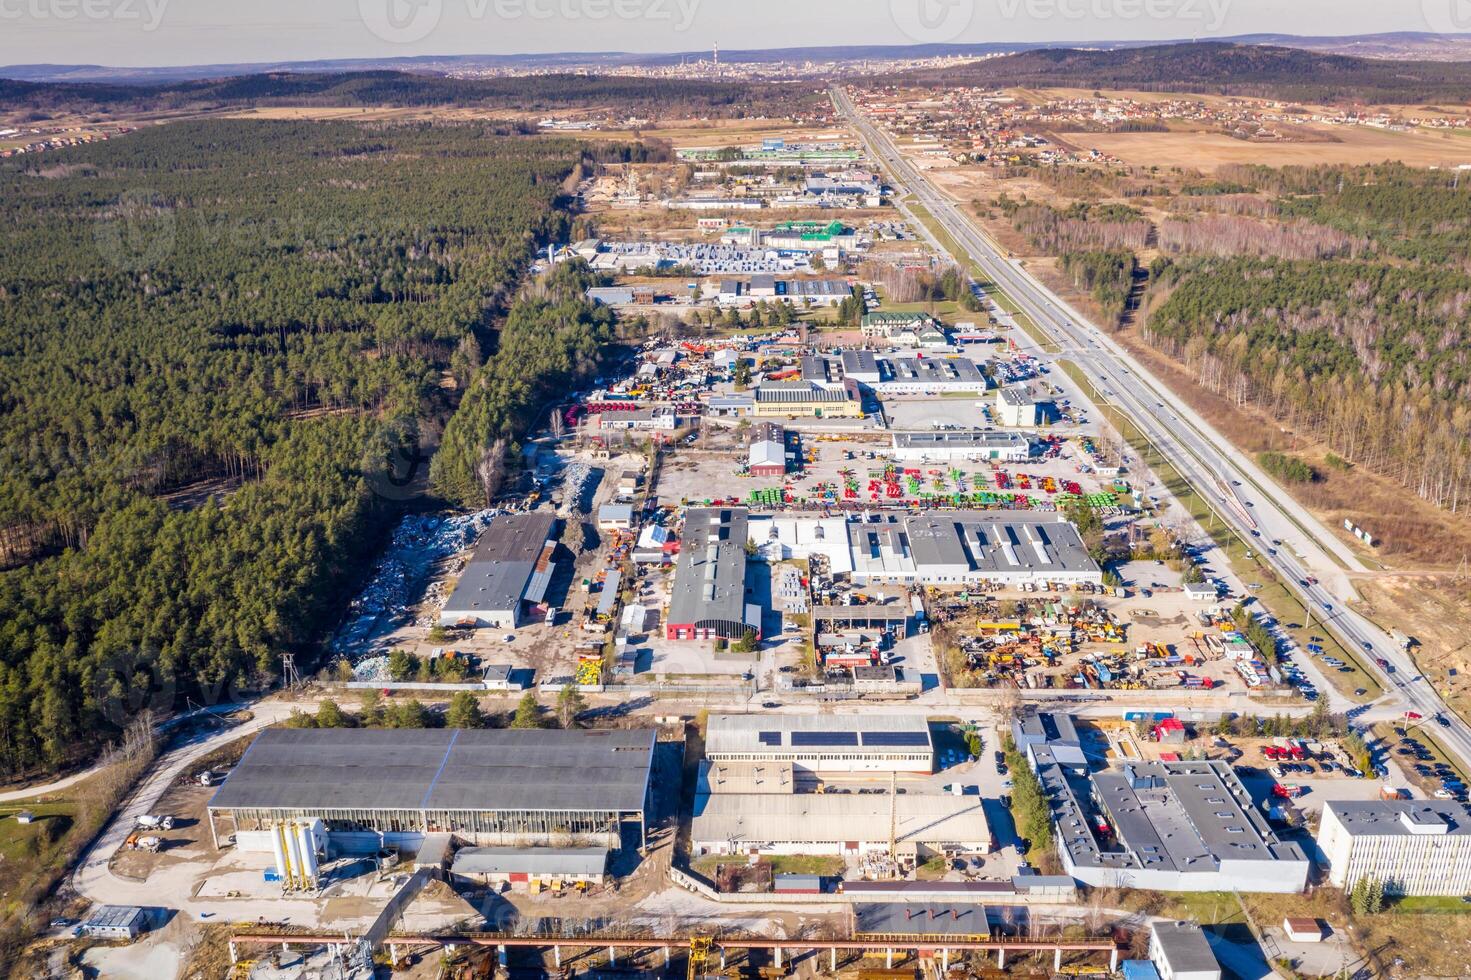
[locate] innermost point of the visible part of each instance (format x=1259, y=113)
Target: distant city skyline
x=157, y=33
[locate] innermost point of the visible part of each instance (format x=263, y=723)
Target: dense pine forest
x=659, y=97
x=210, y=334
x=1337, y=299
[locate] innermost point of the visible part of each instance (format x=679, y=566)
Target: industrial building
x=970, y=547
x=1413, y=847
x=116, y=922
x=1033, y=730
x=935, y=548
x=916, y=825
x=967, y=444
x=531, y=866
x=803, y=399
x=709, y=594
x=1017, y=407
x=931, y=375
x=1180, y=951
x=824, y=743
x=767, y=455
x=799, y=292
x=369, y=787
x=510, y=568
x=1166, y=826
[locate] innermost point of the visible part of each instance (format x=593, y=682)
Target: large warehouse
x=824, y=743
x=490, y=787
x=709, y=593
x=966, y=444
x=511, y=567
x=1167, y=826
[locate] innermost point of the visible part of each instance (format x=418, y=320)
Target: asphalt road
x=1240, y=492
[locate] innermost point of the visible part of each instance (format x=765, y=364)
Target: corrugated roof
x=550, y=861
x=441, y=769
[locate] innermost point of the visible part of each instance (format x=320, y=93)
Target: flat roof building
x=1017, y=406
x=522, y=865
x=967, y=444
x=970, y=547
x=1179, y=951
x=1413, y=847
x=919, y=825
x=1167, y=826
x=511, y=566
x=803, y=398
x=709, y=592
x=1055, y=730
x=487, y=786
x=116, y=922
x=924, y=375
x=824, y=743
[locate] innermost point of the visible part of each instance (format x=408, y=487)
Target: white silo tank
x=293, y=852
x=276, y=848
x=308, y=854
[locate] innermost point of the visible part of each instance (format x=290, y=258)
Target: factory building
x=803, y=399
x=824, y=743
x=532, y=867
x=1166, y=826
x=1055, y=731
x=767, y=455
x=1413, y=847
x=965, y=547
x=969, y=444
x=510, y=569
x=370, y=787
x=709, y=594
x=931, y=375
x=934, y=548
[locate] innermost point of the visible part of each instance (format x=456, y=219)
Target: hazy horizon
x=170, y=33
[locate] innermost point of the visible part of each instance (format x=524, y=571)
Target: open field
x=1436, y=611
x=1207, y=150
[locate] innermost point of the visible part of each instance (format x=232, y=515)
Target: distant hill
x=646, y=96
x=1219, y=68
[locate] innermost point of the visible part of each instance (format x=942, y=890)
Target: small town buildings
x=1179, y=951
x=510, y=569
x=885, y=325
x=1412, y=847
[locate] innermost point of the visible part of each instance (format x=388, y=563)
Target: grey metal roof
x=441, y=769
x=114, y=916
x=710, y=578
x=938, y=371
x=502, y=565
x=801, y=391
x=860, y=362
x=531, y=860
x=1185, y=948
x=758, y=818
x=1019, y=396
x=774, y=733
x=1396, y=818
x=920, y=918
x=1002, y=541
x=966, y=439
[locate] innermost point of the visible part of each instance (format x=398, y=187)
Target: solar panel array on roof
x=896, y=738
x=824, y=738
x=769, y=738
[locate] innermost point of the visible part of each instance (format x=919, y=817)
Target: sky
x=139, y=33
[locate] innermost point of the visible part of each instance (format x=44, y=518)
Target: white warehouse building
x=967, y=444
x=1413, y=847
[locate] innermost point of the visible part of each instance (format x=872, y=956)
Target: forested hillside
x=1216, y=67
x=248, y=308
x=1337, y=299
x=665, y=98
